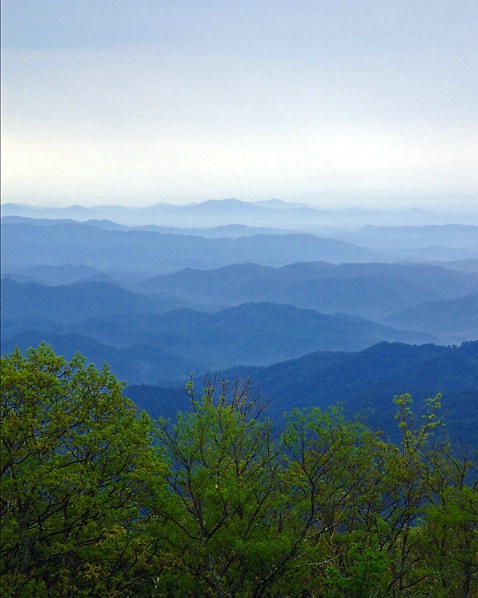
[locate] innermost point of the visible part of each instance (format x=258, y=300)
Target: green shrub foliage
x=98, y=500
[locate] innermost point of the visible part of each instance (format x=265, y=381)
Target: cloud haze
x=139, y=102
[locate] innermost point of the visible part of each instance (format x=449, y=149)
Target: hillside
x=28, y=245
x=371, y=290
x=136, y=362
x=445, y=242
x=59, y=275
x=253, y=333
x=27, y=303
x=365, y=382
x=451, y=320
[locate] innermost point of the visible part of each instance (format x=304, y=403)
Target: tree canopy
x=99, y=500
x=77, y=471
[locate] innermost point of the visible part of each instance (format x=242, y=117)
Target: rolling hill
x=28, y=246
x=371, y=290
x=452, y=320
x=365, y=382
x=253, y=333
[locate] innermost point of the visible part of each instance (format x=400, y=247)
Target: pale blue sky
x=331, y=102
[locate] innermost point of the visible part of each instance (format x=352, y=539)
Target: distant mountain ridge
x=239, y=243
x=386, y=293
x=271, y=213
x=252, y=333
x=26, y=246
x=365, y=382
x=370, y=290
x=450, y=319
x=459, y=235
x=433, y=242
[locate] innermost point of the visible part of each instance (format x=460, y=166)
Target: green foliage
x=365, y=574
x=226, y=522
x=77, y=466
x=98, y=501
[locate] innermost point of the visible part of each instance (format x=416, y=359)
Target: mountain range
x=25, y=246
x=251, y=333
x=371, y=290
x=444, y=243
x=270, y=213
x=316, y=310
x=365, y=382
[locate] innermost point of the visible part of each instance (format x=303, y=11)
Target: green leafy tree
x=227, y=525
x=449, y=532
x=332, y=474
x=77, y=473
x=95, y=500
x=368, y=503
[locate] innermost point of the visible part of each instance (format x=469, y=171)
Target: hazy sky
x=331, y=102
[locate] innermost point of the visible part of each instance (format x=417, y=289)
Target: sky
x=328, y=102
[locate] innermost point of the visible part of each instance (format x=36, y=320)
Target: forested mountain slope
x=451, y=320
x=108, y=323
x=372, y=290
x=26, y=303
x=365, y=381
x=29, y=245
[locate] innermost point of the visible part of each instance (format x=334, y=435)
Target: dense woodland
x=362, y=381
x=97, y=499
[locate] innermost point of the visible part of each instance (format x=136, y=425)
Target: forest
x=99, y=499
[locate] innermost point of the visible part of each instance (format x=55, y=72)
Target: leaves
x=77, y=463
x=97, y=500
